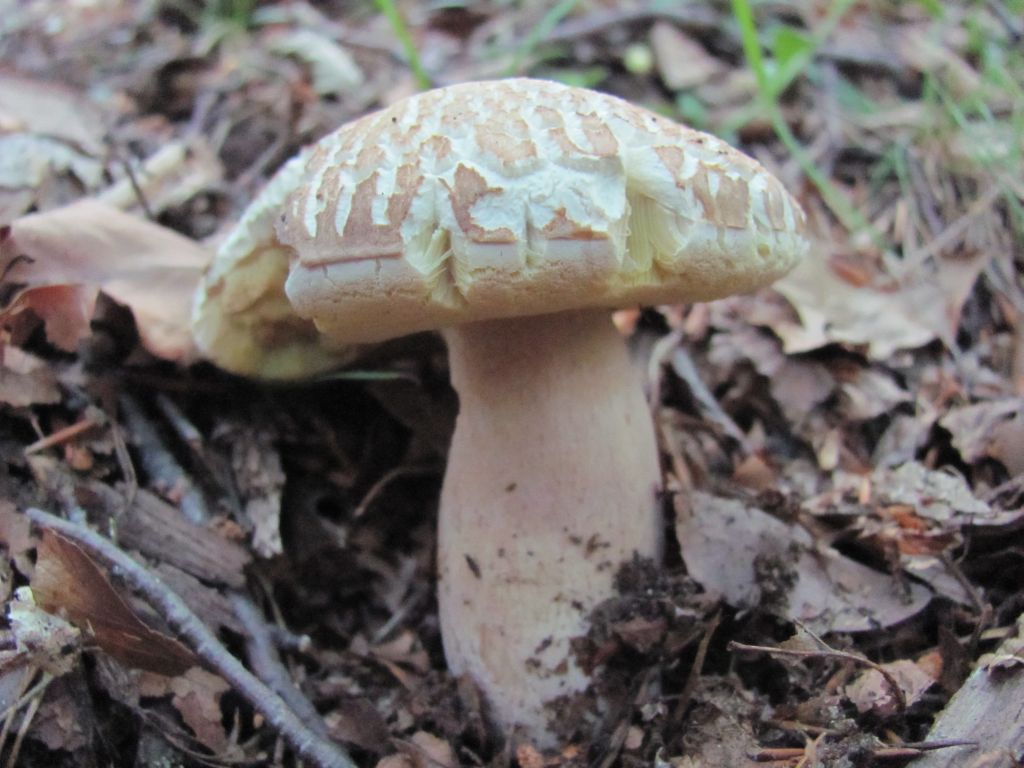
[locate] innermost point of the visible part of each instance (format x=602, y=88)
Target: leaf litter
x=842, y=453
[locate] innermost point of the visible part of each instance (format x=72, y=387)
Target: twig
x=266, y=663
x=302, y=738
x=397, y=473
x=26, y=720
x=670, y=350
x=160, y=464
x=64, y=435
x=894, y=686
x=686, y=695
x=178, y=421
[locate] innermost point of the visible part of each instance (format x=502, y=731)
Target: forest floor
x=843, y=453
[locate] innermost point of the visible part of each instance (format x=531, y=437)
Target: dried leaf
x=681, y=61
x=333, y=68
x=404, y=649
x=197, y=696
x=64, y=718
x=259, y=477
x=755, y=560
x=397, y=760
x=870, y=392
x=939, y=496
x=57, y=261
x=833, y=311
x=15, y=530
x=50, y=109
x=26, y=380
x=432, y=752
x=49, y=642
x=66, y=579
x=993, y=429
x=871, y=692
x=355, y=720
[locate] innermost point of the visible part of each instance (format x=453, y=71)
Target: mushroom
x=512, y=215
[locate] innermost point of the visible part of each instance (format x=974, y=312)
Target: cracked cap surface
x=482, y=201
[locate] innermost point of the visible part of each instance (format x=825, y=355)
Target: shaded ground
x=842, y=454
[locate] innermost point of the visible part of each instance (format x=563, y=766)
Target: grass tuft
x=401, y=30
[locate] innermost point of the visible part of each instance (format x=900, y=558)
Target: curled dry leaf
x=993, y=429
x=55, y=263
x=835, y=311
x=196, y=695
x=755, y=560
x=871, y=692
x=67, y=580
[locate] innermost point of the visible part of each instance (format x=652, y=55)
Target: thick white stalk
x=551, y=485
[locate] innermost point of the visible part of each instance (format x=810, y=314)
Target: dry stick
x=397, y=473
x=323, y=753
x=266, y=663
x=64, y=435
x=686, y=695
x=160, y=463
x=894, y=686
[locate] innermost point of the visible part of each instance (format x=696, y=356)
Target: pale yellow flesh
x=551, y=485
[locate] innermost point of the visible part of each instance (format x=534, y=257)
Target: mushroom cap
x=497, y=199
x=241, y=317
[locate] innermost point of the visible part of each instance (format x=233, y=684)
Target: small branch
x=686, y=695
x=64, y=435
x=266, y=663
x=397, y=473
x=305, y=741
x=160, y=464
x=894, y=686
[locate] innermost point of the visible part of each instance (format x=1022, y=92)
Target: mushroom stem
x=551, y=485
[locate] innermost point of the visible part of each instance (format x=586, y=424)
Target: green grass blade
x=398, y=26
x=538, y=33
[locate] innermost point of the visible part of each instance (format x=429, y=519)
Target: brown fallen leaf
x=50, y=109
x=871, y=692
x=993, y=429
x=429, y=751
x=52, y=140
x=355, y=720
x=47, y=641
x=906, y=316
x=67, y=580
x=65, y=717
x=681, y=61
x=756, y=560
x=26, y=380
x=55, y=263
x=196, y=695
